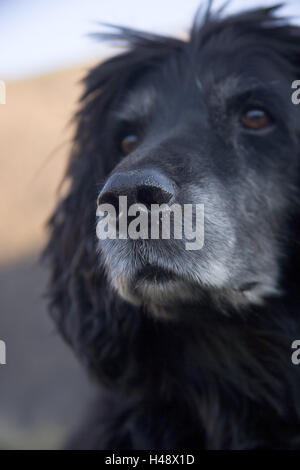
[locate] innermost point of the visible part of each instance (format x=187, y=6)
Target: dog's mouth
x=149, y=273
x=154, y=274
x=162, y=288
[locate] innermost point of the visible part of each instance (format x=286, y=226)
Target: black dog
x=192, y=348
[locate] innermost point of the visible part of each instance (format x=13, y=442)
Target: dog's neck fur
x=220, y=367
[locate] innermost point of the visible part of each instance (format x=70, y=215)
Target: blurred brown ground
x=43, y=391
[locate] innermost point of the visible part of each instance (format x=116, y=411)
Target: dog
x=190, y=349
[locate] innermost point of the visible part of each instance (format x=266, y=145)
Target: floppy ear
x=93, y=319
x=293, y=53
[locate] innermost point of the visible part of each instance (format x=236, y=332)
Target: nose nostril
x=145, y=196
x=108, y=198
x=148, y=195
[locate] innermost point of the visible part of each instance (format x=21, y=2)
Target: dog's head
x=205, y=121
x=209, y=121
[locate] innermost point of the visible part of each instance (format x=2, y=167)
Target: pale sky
x=37, y=36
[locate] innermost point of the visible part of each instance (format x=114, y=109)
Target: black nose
x=142, y=186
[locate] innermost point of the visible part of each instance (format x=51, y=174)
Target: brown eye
x=256, y=119
x=129, y=143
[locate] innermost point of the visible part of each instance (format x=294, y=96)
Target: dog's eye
x=256, y=119
x=129, y=143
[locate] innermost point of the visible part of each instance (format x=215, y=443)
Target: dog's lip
x=154, y=273
x=248, y=286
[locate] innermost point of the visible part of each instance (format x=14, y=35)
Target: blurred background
x=45, y=51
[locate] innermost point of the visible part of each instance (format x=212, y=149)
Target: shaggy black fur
x=212, y=371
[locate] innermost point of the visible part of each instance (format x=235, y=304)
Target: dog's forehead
x=226, y=72
x=252, y=63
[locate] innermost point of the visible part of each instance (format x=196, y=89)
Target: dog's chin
x=159, y=292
